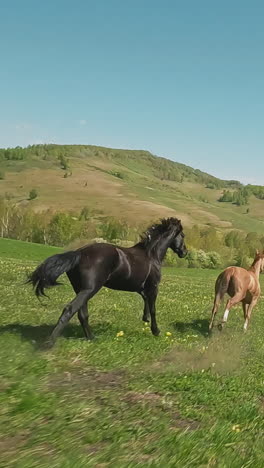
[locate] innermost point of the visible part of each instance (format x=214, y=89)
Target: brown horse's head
x=259, y=257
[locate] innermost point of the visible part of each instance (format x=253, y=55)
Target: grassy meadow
x=183, y=399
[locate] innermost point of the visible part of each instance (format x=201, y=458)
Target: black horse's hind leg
x=68, y=312
x=83, y=318
x=76, y=280
x=76, y=304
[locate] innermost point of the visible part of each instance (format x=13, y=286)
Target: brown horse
x=242, y=286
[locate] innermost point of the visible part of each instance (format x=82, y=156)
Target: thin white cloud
x=251, y=180
x=23, y=126
x=36, y=142
x=83, y=122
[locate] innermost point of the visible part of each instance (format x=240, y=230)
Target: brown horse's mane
x=259, y=255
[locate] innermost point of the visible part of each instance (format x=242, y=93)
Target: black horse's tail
x=46, y=274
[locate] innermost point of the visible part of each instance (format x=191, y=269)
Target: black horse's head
x=169, y=230
x=177, y=243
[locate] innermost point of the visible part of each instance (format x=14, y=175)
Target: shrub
x=192, y=258
x=63, y=229
x=117, y=174
x=172, y=260
x=201, y=259
x=214, y=260
x=64, y=162
x=211, y=185
x=85, y=213
x=114, y=229
x=33, y=194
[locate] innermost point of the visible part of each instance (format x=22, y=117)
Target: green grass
x=184, y=400
x=25, y=250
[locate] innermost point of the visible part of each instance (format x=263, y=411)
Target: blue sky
x=183, y=80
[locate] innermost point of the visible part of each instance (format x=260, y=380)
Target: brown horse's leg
x=245, y=308
x=217, y=301
x=249, y=310
x=230, y=303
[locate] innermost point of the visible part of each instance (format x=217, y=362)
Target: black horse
x=136, y=269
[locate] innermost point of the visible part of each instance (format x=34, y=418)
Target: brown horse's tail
x=221, y=285
x=46, y=274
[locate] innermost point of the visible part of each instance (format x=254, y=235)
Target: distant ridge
x=130, y=184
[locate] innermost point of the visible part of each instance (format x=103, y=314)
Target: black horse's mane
x=149, y=238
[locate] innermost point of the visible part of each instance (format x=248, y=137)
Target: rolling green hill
x=132, y=185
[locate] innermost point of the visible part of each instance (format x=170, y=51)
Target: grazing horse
x=242, y=286
x=135, y=269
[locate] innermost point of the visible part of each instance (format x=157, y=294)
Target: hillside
x=132, y=185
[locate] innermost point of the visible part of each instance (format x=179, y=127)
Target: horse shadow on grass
x=39, y=334
x=200, y=326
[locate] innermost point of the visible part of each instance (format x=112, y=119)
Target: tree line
x=241, y=195
x=208, y=247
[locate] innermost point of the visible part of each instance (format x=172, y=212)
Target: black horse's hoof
x=47, y=345
x=91, y=338
x=145, y=319
x=155, y=332
x=220, y=327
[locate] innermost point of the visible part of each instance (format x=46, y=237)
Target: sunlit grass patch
x=128, y=398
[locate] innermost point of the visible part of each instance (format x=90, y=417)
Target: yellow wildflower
x=236, y=428
x=121, y=333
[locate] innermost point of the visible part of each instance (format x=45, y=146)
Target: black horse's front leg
x=146, y=312
x=151, y=298
x=145, y=316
